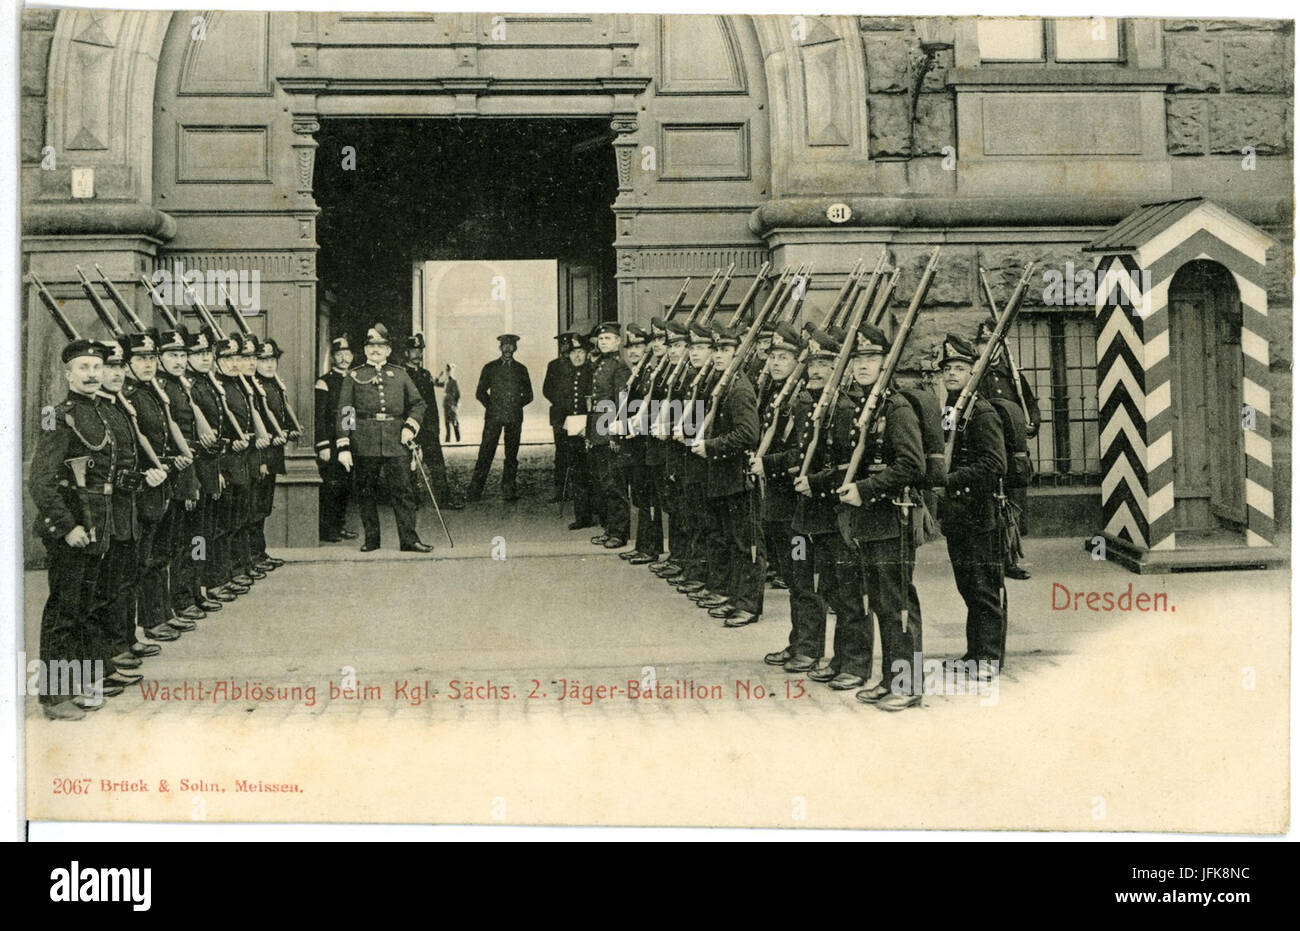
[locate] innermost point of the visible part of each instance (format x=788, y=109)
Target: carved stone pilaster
x=625, y=144
x=304, y=156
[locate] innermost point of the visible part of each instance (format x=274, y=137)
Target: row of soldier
x=152, y=481
x=798, y=460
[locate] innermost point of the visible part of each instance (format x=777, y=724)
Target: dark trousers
x=261, y=506
x=807, y=607
x=487, y=450
x=65, y=635
x=435, y=466
x=394, y=476
x=649, y=515
x=204, y=559
x=611, y=484
x=715, y=552
x=153, y=601
x=576, y=481
x=776, y=537
x=232, y=533
x=336, y=486
x=887, y=577
x=182, y=569
x=840, y=585
x=693, y=558
x=114, y=614
x=561, y=459
x=977, y=568
x=746, y=553
x=450, y=418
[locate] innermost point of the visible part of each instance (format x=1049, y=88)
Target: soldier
x=336, y=484
x=609, y=375
x=672, y=456
x=1021, y=420
x=559, y=373
x=738, y=561
x=180, y=523
x=276, y=408
x=881, y=528
x=237, y=470
x=636, y=447
x=116, y=599
x=154, y=610
x=207, y=463
x=692, y=476
x=430, y=445
x=267, y=436
x=569, y=399
x=968, y=513
x=380, y=412
x=450, y=400
x=504, y=390
x=829, y=569
x=71, y=478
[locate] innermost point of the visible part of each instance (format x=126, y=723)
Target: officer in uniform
x=740, y=570
x=504, y=390
x=180, y=524
x=267, y=435
x=559, y=373
x=894, y=464
x=1020, y=424
x=276, y=409
x=429, y=438
x=207, y=461
x=569, y=399
x=71, y=479
x=380, y=412
x=336, y=484
x=609, y=376
x=636, y=449
x=238, y=467
x=968, y=513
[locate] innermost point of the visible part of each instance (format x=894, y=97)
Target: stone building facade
x=735, y=139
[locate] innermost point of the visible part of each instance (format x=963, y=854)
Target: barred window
x=1057, y=353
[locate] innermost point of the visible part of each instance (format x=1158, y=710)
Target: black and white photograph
x=654, y=419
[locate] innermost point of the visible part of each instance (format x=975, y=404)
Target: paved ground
x=465, y=657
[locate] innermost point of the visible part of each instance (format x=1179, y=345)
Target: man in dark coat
x=336, y=484
x=430, y=444
x=570, y=398
x=380, y=413
x=559, y=372
x=968, y=512
x=609, y=375
x=504, y=390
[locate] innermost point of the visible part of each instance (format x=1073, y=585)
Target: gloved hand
x=345, y=459
x=408, y=437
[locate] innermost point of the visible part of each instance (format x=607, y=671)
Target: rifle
x=284, y=391
x=672, y=312
x=252, y=385
x=961, y=410
x=115, y=328
x=877, y=394
x=678, y=371
x=844, y=301
x=1011, y=359
x=211, y=322
x=125, y=309
x=729, y=373
x=663, y=360
x=824, y=411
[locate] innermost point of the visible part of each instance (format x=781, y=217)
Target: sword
x=417, y=456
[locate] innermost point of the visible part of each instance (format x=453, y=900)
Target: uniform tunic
x=732, y=437
x=609, y=375
x=504, y=390
x=336, y=483
x=114, y=613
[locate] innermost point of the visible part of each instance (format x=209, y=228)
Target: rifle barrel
x=53, y=307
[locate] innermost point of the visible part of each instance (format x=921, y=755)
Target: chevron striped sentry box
x=1137, y=261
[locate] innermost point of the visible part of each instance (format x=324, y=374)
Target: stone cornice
x=1059, y=78
x=90, y=218
x=996, y=211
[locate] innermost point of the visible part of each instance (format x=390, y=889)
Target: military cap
x=202, y=341
x=725, y=336
x=142, y=344
x=826, y=346
x=339, y=343
x=566, y=335
x=269, y=349
x=837, y=333
x=172, y=341
x=676, y=331
x=785, y=337
x=636, y=336
x=956, y=349
x=249, y=346
x=870, y=340
x=701, y=334
x=114, y=353
x=377, y=335
x=985, y=331
x=572, y=341
x=228, y=346
x=508, y=338
x=83, y=347
x=657, y=326
x=609, y=326
x=415, y=341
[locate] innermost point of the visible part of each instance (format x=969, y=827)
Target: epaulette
x=321, y=385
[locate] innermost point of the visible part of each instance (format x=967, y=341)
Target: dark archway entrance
x=453, y=189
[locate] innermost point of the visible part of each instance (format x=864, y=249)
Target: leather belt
x=379, y=417
x=105, y=490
